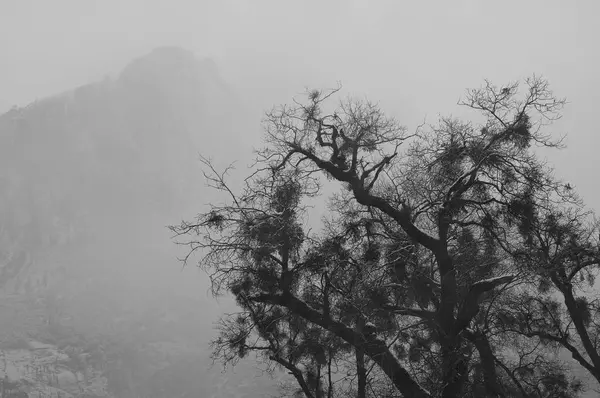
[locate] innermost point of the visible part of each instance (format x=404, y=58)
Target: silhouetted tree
x=421, y=255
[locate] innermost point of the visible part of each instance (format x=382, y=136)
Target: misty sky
x=415, y=58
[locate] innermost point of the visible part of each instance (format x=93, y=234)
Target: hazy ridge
x=88, y=181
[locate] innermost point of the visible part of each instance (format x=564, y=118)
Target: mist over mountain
x=89, y=179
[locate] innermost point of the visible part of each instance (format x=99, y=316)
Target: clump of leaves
x=215, y=219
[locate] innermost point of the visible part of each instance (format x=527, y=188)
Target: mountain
x=88, y=180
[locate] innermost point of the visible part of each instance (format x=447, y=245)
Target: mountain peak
x=168, y=63
x=168, y=54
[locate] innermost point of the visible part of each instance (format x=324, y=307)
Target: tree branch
x=376, y=349
x=294, y=371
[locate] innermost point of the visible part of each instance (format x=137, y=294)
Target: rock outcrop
x=42, y=370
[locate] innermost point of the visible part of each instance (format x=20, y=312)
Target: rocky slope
x=88, y=180
x=43, y=370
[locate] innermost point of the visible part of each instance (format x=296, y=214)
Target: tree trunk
x=361, y=372
x=486, y=357
x=454, y=371
x=454, y=364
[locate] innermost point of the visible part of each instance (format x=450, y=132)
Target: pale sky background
x=416, y=58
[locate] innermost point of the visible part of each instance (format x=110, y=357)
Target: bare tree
x=419, y=255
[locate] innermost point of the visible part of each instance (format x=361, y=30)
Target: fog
x=236, y=60
x=416, y=60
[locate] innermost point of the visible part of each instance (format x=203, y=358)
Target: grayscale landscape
x=246, y=199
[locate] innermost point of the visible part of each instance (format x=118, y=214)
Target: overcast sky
x=415, y=58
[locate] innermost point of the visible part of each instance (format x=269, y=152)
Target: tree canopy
x=452, y=261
